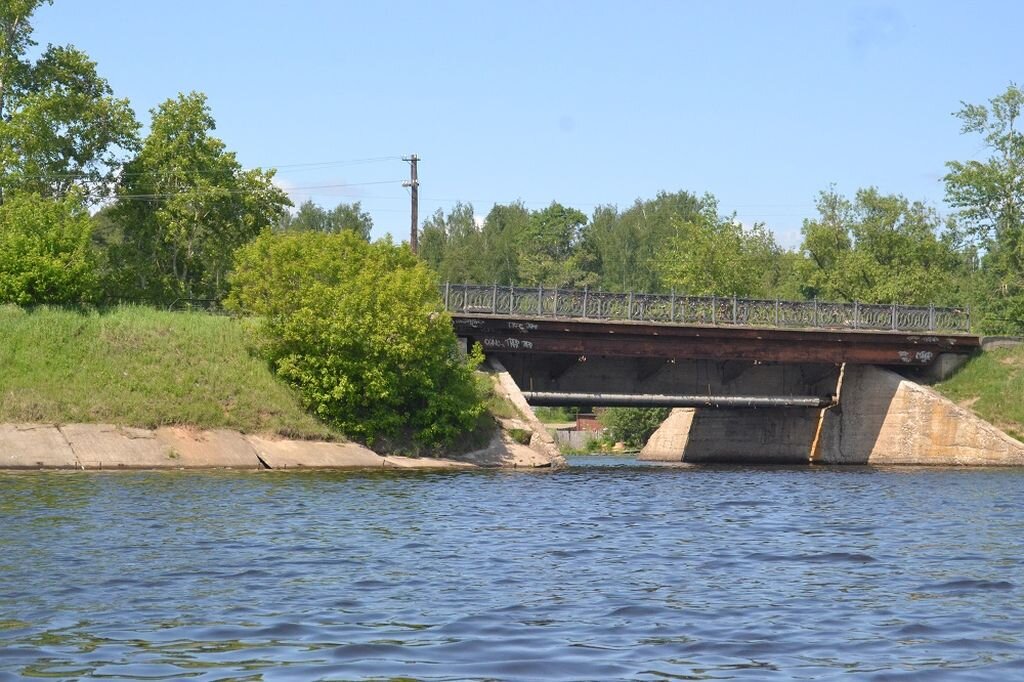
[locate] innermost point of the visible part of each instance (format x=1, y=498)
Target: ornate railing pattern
x=710, y=310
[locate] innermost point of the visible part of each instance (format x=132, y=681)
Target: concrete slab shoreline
x=111, y=447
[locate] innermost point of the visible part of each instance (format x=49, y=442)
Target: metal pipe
x=541, y=398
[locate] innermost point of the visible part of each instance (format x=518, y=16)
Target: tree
x=878, y=249
x=15, y=39
x=633, y=425
x=359, y=330
x=46, y=254
x=715, y=255
x=453, y=245
x=989, y=198
x=547, y=257
x=504, y=235
x=185, y=205
x=312, y=217
x=621, y=249
x=60, y=126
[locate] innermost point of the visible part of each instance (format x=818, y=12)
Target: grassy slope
x=140, y=367
x=992, y=385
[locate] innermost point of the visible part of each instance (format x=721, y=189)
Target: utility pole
x=413, y=183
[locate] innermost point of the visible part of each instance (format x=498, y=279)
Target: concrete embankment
x=880, y=418
x=105, y=447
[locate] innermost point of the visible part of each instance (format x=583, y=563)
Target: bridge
x=629, y=340
x=754, y=362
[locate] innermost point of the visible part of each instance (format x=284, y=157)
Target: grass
x=991, y=385
x=137, y=366
x=497, y=405
x=555, y=415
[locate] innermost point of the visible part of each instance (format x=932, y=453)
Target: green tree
x=711, y=254
x=504, y=236
x=622, y=249
x=878, y=249
x=452, y=245
x=46, y=252
x=359, y=329
x=60, y=126
x=185, y=205
x=989, y=198
x=547, y=256
x=633, y=425
x=312, y=217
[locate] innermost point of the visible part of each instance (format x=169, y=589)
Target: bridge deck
x=502, y=333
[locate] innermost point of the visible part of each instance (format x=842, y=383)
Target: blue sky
x=763, y=104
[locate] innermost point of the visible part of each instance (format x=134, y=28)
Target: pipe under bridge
x=580, y=347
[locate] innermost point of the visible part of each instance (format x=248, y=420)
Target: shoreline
x=105, y=447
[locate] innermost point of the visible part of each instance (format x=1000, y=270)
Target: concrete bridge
x=766, y=377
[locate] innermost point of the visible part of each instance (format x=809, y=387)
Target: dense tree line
x=869, y=247
x=177, y=205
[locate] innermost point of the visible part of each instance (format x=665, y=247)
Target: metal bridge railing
x=710, y=310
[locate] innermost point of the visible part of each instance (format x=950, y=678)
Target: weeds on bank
x=142, y=367
x=991, y=385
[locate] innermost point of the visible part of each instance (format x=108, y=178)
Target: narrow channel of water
x=610, y=570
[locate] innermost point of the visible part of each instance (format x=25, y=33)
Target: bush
x=46, y=254
x=633, y=425
x=359, y=329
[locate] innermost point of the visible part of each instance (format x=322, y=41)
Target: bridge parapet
x=517, y=302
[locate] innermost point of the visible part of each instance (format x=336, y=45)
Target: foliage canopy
x=989, y=198
x=46, y=252
x=878, y=249
x=185, y=204
x=633, y=425
x=310, y=216
x=358, y=329
x=60, y=125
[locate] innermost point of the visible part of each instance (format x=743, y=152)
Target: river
x=610, y=570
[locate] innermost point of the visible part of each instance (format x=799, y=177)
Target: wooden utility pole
x=413, y=183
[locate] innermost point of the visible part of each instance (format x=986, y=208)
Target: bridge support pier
x=754, y=435
x=881, y=418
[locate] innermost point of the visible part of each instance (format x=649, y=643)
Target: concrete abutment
x=880, y=418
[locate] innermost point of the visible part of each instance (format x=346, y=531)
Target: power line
x=214, y=190
x=175, y=173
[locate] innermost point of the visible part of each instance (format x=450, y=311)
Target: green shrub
x=46, y=254
x=633, y=425
x=359, y=329
x=521, y=436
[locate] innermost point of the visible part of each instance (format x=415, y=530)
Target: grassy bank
x=991, y=385
x=141, y=367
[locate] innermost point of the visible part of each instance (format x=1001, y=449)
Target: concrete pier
x=880, y=418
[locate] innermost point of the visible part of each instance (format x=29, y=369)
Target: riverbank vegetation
x=358, y=330
x=137, y=366
x=990, y=385
x=92, y=213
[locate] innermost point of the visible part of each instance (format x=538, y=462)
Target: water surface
x=610, y=570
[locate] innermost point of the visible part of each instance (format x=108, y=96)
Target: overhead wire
x=167, y=195
x=294, y=166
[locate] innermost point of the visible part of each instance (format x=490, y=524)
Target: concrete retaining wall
x=105, y=446
x=504, y=450
x=883, y=418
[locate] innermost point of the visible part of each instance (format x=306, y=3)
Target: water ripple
x=602, y=572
